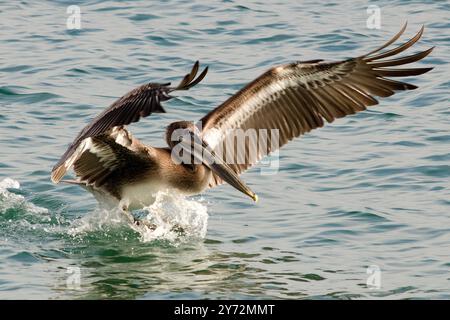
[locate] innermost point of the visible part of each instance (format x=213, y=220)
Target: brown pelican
x=292, y=98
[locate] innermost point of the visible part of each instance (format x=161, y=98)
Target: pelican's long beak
x=227, y=174
x=200, y=150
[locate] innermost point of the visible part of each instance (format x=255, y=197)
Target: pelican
x=292, y=98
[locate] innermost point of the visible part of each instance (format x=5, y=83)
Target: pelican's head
x=185, y=136
x=177, y=130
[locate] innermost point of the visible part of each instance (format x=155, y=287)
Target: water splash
x=172, y=217
x=20, y=218
x=12, y=201
x=97, y=220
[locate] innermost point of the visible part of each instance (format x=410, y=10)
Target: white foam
x=9, y=183
x=9, y=200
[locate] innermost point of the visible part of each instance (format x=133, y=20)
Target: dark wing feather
x=140, y=102
x=301, y=96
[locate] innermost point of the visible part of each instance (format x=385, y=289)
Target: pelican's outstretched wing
x=137, y=103
x=298, y=97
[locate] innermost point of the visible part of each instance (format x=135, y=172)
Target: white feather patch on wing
x=122, y=136
x=251, y=106
x=61, y=171
x=105, y=154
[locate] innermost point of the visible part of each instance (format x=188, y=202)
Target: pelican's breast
x=141, y=194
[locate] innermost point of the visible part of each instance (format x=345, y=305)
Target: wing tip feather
x=58, y=173
x=190, y=80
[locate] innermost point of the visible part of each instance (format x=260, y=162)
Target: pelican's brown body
x=138, y=171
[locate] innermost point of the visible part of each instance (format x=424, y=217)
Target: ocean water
x=366, y=198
